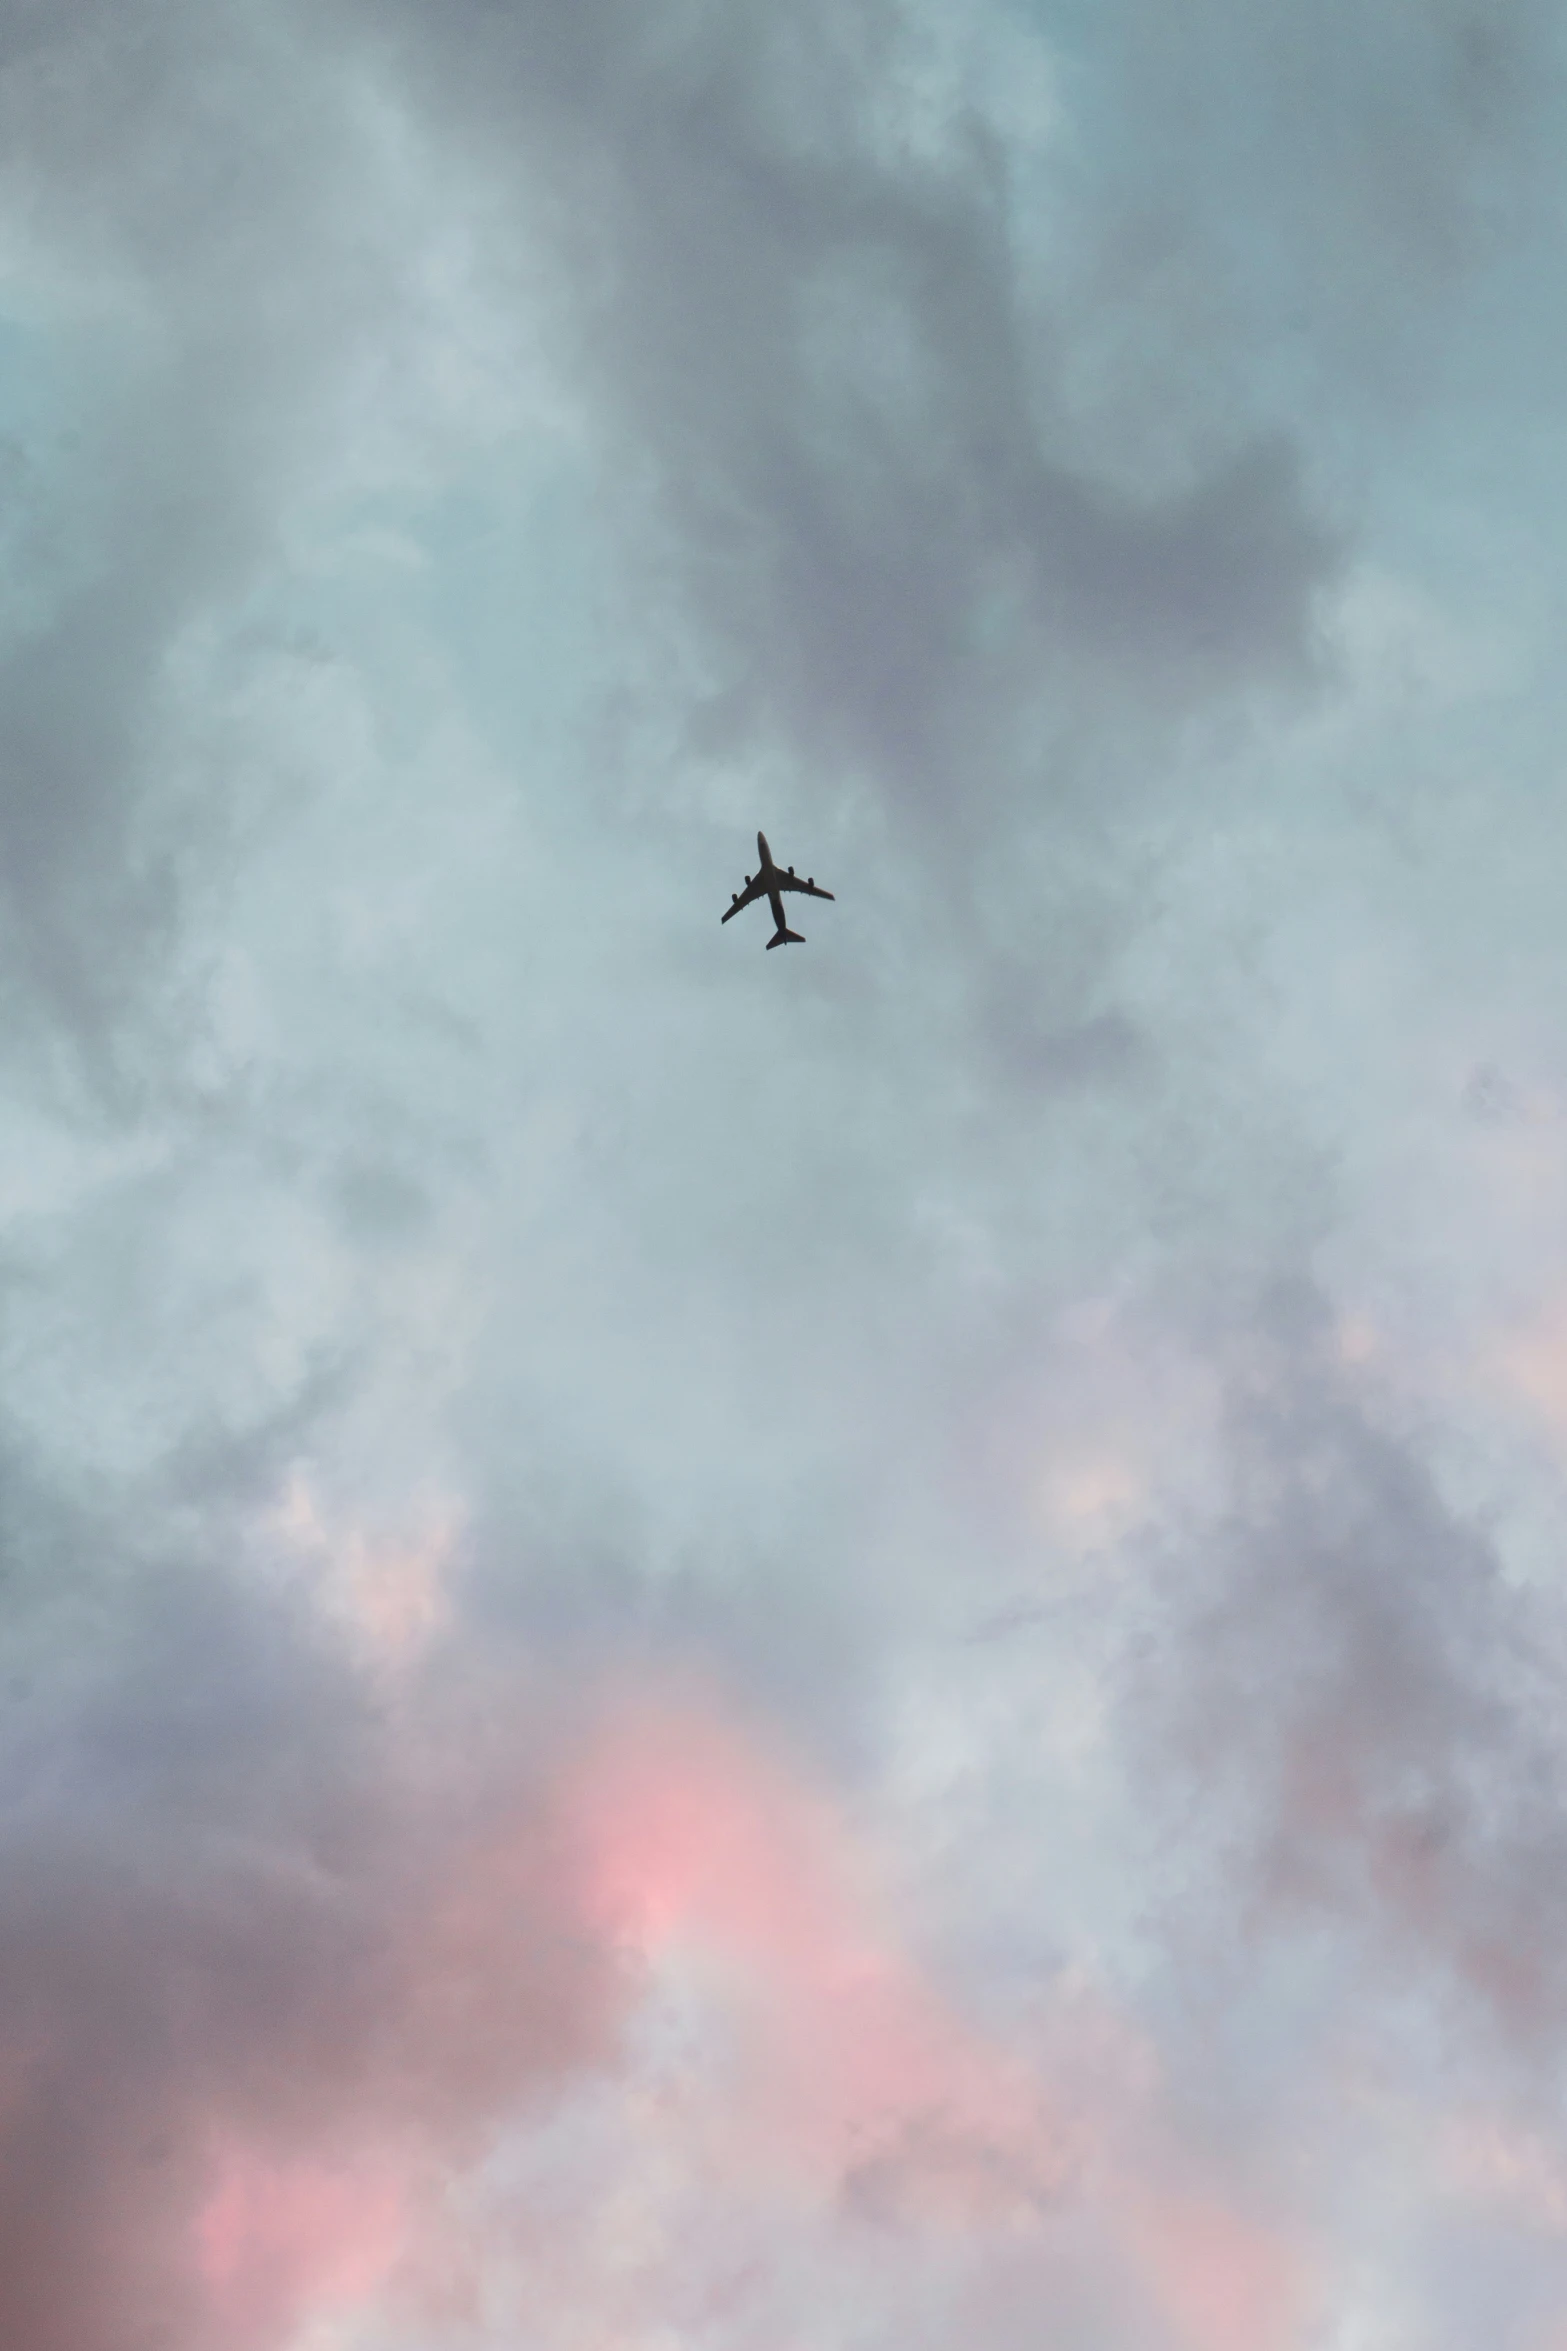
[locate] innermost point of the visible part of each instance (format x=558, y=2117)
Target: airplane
x=769, y=883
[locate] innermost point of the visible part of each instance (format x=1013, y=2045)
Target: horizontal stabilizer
x=782, y=938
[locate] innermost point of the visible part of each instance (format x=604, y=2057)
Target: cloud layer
x=837, y=1654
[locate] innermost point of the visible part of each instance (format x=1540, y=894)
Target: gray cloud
x=969, y=426
x=244, y=1922
x=199, y=268
x=1366, y=1699
x=842, y=393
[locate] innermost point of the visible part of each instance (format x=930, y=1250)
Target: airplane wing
x=745, y=897
x=808, y=889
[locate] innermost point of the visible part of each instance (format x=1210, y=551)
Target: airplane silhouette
x=769, y=883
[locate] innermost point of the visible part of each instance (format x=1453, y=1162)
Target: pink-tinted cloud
x=386, y=1592
x=1223, y=2281
x=697, y=1834
x=312, y=1950
x=1494, y=2160
x=1529, y=1361
x=262, y=2065
x=860, y=2075
x=279, y=2237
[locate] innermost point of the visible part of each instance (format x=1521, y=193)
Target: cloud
x=213, y=251
x=1366, y=1699
x=271, y=1949
x=574, y=1506
x=822, y=360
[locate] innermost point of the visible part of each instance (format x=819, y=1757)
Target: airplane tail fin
x=783, y=936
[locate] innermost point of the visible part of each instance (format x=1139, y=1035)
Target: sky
x=708, y=1651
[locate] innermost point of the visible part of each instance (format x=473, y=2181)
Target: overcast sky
x=708, y=1651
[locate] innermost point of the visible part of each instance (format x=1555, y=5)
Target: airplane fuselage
x=765, y=875
x=770, y=881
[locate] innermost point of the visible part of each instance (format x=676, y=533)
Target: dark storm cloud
x=819, y=345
